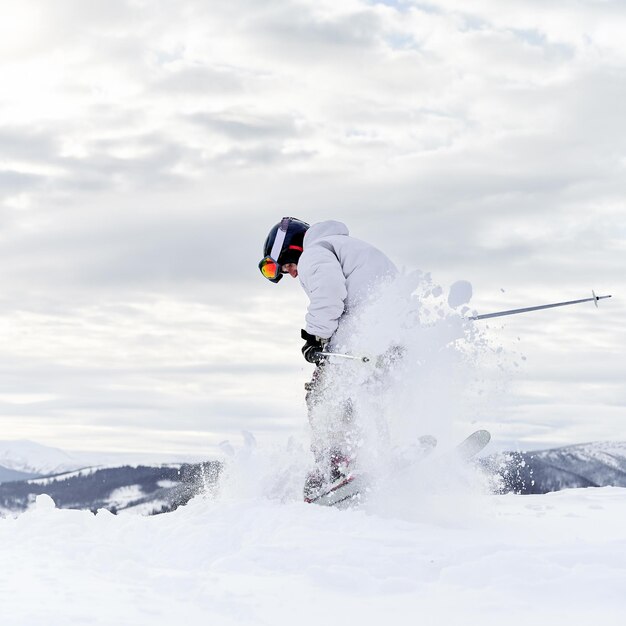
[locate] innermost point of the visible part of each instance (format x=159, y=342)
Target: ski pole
x=363, y=359
x=594, y=299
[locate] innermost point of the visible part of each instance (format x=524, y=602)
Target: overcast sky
x=147, y=147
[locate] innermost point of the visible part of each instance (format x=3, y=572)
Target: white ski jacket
x=337, y=272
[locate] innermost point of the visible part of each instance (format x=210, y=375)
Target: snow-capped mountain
x=34, y=458
x=31, y=458
x=596, y=464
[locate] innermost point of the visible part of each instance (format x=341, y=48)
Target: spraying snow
x=419, y=380
x=460, y=293
x=424, y=356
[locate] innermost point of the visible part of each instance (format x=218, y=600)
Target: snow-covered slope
x=557, y=559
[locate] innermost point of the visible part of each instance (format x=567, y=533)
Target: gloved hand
x=313, y=347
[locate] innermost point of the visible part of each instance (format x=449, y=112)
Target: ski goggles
x=270, y=269
x=269, y=265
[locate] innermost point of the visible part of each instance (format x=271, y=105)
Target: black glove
x=313, y=347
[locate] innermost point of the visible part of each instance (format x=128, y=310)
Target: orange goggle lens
x=269, y=268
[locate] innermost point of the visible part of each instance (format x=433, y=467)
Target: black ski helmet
x=283, y=245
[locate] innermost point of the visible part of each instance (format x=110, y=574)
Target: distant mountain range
x=597, y=464
x=138, y=489
x=150, y=489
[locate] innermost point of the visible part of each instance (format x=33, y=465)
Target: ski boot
x=337, y=468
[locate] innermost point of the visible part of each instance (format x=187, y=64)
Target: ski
x=343, y=490
x=472, y=445
x=348, y=490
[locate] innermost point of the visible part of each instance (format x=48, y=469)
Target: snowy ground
x=551, y=559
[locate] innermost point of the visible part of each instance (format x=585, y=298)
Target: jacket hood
x=324, y=229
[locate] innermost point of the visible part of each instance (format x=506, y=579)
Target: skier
x=338, y=273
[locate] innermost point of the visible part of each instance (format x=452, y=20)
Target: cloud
x=183, y=79
x=147, y=148
x=245, y=128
